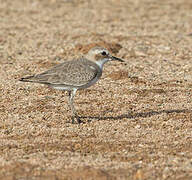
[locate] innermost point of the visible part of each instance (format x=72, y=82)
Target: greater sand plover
x=76, y=74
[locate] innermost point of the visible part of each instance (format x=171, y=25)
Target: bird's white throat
x=101, y=62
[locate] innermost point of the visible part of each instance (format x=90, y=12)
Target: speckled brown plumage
x=74, y=73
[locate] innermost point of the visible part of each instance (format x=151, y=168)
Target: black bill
x=117, y=59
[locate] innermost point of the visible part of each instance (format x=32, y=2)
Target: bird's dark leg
x=74, y=113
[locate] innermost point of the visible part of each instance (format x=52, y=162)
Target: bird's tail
x=28, y=79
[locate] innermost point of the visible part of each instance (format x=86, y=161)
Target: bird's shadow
x=136, y=115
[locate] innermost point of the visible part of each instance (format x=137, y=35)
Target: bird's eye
x=104, y=53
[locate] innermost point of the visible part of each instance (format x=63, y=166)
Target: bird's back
x=80, y=73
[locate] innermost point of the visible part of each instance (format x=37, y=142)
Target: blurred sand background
x=138, y=119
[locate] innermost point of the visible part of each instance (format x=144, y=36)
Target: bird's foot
x=76, y=119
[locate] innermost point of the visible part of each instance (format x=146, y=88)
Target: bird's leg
x=74, y=113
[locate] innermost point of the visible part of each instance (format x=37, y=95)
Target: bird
x=75, y=74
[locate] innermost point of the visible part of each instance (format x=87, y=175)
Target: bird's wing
x=70, y=73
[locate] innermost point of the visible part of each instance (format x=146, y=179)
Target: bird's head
x=100, y=53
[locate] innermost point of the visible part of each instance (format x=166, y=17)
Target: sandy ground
x=137, y=118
